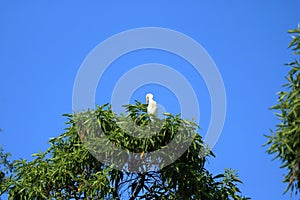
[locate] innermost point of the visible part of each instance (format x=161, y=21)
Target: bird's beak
x=147, y=99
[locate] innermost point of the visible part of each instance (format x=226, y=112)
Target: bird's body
x=152, y=107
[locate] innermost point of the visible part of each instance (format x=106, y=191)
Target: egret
x=152, y=107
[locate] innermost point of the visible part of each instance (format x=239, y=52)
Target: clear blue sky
x=42, y=46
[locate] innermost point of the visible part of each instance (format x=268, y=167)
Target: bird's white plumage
x=152, y=107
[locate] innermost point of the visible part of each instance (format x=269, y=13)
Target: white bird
x=152, y=107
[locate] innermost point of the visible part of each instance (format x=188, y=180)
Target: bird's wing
x=152, y=108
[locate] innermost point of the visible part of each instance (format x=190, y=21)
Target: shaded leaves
x=285, y=141
x=67, y=170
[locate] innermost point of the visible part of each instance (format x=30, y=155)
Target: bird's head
x=148, y=97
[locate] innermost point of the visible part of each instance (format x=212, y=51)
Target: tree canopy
x=5, y=164
x=69, y=170
x=284, y=142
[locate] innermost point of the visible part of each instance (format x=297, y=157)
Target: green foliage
x=285, y=141
x=68, y=169
x=5, y=165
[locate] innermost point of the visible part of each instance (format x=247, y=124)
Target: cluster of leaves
x=285, y=142
x=5, y=164
x=68, y=169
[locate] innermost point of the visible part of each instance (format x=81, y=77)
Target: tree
x=285, y=141
x=6, y=165
x=68, y=169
